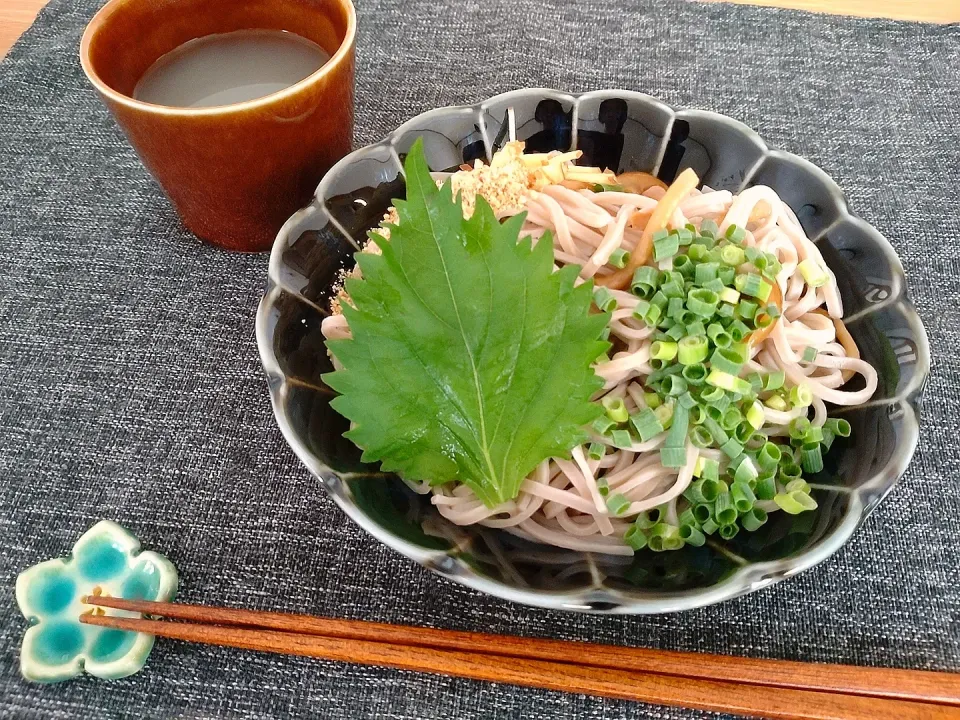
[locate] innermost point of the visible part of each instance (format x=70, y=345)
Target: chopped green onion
x=617, y=504
x=755, y=380
x=697, y=469
x=664, y=537
x=673, y=457
x=731, y=255
x=716, y=285
x=619, y=258
x=727, y=274
x=710, y=470
x=700, y=436
x=790, y=470
x=738, y=331
x=663, y=350
x=728, y=532
x=697, y=413
x=646, y=424
x=640, y=309
x=665, y=246
x=684, y=235
x=621, y=438
x=798, y=485
x=645, y=280
x=603, y=487
x=769, y=456
x=709, y=228
x=712, y=395
x=809, y=354
x=744, y=432
x=735, y=234
x=615, y=408
x=695, y=373
x=725, y=310
x=705, y=272
x=603, y=425
x=674, y=385
x=648, y=518
x=702, y=513
x=596, y=451
x=838, y=426
x=684, y=265
x=728, y=294
x=743, y=497
x=755, y=415
x=692, y=535
x=604, y=299
x=753, y=519
x=652, y=316
x=746, y=471
x=692, y=349
x=723, y=339
x=827, y=441
x=727, y=381
x=696, y=328
x=709, y=527
x=794, y=503
x=659, y=300
x=774, y=380
x=762, y=320
x=813, y=274
x=703, y=302
x=678, y=430
x=775, y=402
x=731, y=448
x=811, y=459
x=800, y=396
x=746, y=309
x=724, y=511
x=697, y=252
x=727, y=360
x=799, y=427
x=652, y=400
x=687, y=400
x=675, y=308
x=814, y=435
x=731, y=418
x=676, y=332
x=713, y=427
x=711, y=489
x=672, y=288
x=723, y=402
x=766, y=487
x=635, y=537
x=753, y=285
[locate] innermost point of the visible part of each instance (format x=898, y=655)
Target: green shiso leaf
x=470, y=358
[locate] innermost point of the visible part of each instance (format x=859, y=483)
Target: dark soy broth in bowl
x=229, y=68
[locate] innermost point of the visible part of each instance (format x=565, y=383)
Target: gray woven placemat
x=130, y=386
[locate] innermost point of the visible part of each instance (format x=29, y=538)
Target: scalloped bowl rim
x=747, y=578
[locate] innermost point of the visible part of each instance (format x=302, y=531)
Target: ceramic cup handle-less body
x=234, y=173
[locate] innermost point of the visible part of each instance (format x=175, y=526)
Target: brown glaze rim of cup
x=107, y=10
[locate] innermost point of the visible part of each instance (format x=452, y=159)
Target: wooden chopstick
x=707, y=682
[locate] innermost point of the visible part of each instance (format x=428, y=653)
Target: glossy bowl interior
x=625, y=131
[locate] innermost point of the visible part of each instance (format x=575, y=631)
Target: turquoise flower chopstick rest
x=106, y=560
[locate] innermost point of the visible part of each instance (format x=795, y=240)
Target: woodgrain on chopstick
x=781, y=689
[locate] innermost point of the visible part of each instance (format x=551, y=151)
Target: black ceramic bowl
x=625, y=131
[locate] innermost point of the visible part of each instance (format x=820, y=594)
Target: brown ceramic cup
x=234, y=173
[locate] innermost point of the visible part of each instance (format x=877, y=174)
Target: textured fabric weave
x=130, y=386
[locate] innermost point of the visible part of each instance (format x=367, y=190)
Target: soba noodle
x=561, y=503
